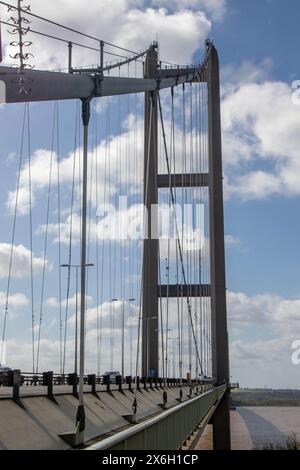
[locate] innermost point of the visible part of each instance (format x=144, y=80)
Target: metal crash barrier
x=167, y=431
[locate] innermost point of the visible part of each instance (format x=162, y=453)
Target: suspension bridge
x=140, y=352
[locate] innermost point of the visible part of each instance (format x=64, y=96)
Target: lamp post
x=123, y=329
x=77, y=267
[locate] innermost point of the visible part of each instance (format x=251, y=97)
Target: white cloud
x=105, y=311
x=231, y=241
x=15, y=301
x=40, y=168
x=232, y=78
x=215, y=8
x=129, y=23
x=53, y=302
x=261, y=126
x=188, y=29
x=21, y=261
x=279, y=313
x=264, y=363
x=106, y=157
x=263, y=329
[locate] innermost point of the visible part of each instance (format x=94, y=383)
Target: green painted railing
x=168, y=430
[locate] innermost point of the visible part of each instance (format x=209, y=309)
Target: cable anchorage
x=21, y=27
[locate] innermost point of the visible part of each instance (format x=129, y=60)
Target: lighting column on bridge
x=77, y=267
x=86, y=114
x=123, y=330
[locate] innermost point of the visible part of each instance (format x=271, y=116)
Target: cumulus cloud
x=232, y=77
x=214, y=8
x=263, y=329
x=104, y=311
x=21, y=261
x=53, y=302
x=276, y=311
x=231, y=241
x=18, y=353
x=133, y=24
x=264, y=363
x=261, y=127
x=15, y=301
x=106, y=157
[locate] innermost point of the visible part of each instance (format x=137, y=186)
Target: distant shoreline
x=265, y=397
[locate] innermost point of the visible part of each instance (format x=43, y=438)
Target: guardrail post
x=16, y=382
x=106, y=381
x=144, y=382
x=75, y=383
x=119, y=382
x=73, y=380
x=129, y=382
x=138, y=383
x=48, y=382
x=92, y=382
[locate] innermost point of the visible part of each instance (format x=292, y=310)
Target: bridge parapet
x=170, y=429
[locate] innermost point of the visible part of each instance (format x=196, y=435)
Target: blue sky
x=257, y=43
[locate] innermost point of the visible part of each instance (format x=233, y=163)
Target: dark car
x=4, y=376
x=112, y=376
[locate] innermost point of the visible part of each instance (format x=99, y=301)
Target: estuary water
x=256, y=427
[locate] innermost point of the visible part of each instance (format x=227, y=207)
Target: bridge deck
x=38, y=423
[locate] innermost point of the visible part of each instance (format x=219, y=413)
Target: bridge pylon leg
x=221, y=424
x=150, y=255
x=220, y=353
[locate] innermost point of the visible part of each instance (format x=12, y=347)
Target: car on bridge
x=112, y=376
x=5, y=376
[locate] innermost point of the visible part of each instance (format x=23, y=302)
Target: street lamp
x=123, y=327
x=77, y=267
